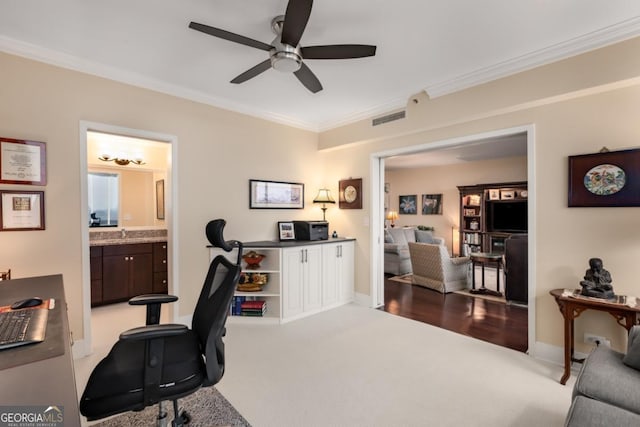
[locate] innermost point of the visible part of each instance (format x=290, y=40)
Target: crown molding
x=63, y=60
x=578, y=45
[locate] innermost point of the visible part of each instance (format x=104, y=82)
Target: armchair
x=158, y=362
x=434, y=269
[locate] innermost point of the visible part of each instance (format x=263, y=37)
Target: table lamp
x=324, y=197
x=392, y=216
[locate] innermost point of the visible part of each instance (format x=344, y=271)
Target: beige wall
x=218, y=152
x=444, y=180
x=576, y=106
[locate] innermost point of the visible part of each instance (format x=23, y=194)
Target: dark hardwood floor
x=494, y=322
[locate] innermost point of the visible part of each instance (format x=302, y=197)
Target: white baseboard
x=552, y=354
x=363, y=300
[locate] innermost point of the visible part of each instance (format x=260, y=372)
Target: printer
x=311, y=230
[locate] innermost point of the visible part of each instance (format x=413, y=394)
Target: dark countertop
x=291, y=243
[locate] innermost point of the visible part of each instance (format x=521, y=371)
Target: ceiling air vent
x=389, y=118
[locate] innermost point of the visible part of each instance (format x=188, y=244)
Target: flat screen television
x=507, y=216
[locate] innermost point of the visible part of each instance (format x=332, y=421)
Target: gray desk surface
x=51, y=381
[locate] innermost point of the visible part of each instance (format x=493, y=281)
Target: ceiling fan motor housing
x=284, y=57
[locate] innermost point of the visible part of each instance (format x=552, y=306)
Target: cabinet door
x=346, y=271
x=292, y=287
x=141, y=274
x=115, y=278
x=160, y=256
x=312, y=280
x=330, y=274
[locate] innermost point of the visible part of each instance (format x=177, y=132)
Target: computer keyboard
x=20, y=327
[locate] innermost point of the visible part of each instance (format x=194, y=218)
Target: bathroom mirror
x=104, y=199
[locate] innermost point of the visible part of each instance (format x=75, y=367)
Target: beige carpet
x=490, y=283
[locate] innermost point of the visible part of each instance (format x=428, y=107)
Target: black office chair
x=159, y=362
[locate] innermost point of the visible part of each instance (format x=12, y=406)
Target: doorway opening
x=381, y=201
x=128, y=181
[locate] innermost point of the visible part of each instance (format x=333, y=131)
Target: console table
x=571, y=307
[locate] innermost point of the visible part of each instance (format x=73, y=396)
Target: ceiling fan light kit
x=285, y=52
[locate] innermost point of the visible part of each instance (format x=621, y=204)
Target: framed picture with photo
x=21, y=210
x=286, y=231
x=432, y=204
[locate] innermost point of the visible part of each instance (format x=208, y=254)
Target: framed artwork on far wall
x=350, y=194
x=605, y=179
x=160, y=199
x=21, y=210
x=408, y=205
x=275, y=195
x=22, y=162
x=432, y=204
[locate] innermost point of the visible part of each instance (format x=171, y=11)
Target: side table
x=572, y=306
x=482, y=259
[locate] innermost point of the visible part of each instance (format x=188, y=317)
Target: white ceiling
x=485, y=149
x=439, y=46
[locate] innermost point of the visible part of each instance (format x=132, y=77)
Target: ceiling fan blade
x=232, y=37
x=338, y=51
x=252, y=72
x=308, y=79
x=295, y=21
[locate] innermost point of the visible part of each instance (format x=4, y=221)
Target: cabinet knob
x=164, y=261
x=126, y=258
x=164, y=281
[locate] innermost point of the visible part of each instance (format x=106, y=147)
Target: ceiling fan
x=285, y=52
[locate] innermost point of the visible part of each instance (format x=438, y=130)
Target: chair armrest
x=393, y=248
x=153, y=331
x=152, y=299
x=438, y=241
x=460, y=260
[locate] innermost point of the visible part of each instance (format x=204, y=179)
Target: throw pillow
x=424, y=237
x=632, y=358
x=388, y=238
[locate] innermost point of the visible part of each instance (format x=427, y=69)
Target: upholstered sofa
x=396, y=247
x=607, y=389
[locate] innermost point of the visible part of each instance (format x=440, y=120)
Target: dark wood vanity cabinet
x=160, y=260
x=126, y=271
x=95, y=253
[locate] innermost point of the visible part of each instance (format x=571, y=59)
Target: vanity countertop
x=108, y=238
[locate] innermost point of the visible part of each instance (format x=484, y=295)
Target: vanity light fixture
x=121, y=162
x=324, y=197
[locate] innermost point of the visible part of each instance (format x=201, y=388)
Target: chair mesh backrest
x=211, y=313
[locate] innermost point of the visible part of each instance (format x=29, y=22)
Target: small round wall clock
x=350, y=194
x=605, y=179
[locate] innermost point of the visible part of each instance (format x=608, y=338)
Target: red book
x=252, y=304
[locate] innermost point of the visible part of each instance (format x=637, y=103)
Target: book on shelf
x=253, y=304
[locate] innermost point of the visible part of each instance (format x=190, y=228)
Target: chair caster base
x=183, y=419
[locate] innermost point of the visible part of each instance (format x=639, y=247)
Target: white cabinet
x=337, y=270
x=303, y=278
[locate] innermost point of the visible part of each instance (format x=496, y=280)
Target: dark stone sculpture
x=597, y=281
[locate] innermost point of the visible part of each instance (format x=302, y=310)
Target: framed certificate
x=22, y=162
x=21, y=210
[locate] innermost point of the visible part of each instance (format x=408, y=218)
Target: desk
x=484, y=258
x=48, y=382
x=572, y=307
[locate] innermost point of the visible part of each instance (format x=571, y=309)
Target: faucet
x=124, y=233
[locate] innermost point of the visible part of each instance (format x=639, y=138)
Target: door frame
x=376, y=291
x=84, y=347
